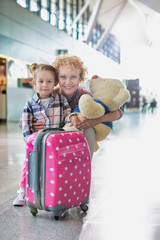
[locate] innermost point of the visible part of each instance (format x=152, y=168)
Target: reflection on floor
x=125, y=191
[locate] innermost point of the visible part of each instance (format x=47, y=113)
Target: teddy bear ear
x=94, y=77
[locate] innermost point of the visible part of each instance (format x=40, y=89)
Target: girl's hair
x=34, y=68
x=71, y=61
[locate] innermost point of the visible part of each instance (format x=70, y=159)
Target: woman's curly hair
x=71, y=61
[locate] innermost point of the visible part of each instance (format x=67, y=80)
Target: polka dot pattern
x=68, y=169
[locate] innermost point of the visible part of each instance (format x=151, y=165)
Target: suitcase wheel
x=34, y=213
x=84, y=208
x=56, y=218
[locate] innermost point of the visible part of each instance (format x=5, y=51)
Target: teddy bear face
x=109, y=91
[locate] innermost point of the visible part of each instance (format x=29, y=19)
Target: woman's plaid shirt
x=56, y=115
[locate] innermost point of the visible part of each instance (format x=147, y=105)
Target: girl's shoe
x=20, y=199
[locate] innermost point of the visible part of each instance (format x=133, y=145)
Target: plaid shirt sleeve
x=66, y=110
x=26, y=120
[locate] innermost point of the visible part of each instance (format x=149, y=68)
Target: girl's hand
x=37, y=125
x=85, y=123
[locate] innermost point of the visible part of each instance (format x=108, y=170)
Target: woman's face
x=69, y=79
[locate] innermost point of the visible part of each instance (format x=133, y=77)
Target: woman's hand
x=74, y=121
x=37, y=125
x=86, y=123
x=108, y=117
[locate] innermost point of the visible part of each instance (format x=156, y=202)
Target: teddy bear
x=107, y=95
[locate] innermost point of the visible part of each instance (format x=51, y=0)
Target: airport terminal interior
x=116, y=39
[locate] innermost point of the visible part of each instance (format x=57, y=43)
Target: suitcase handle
x=52, y=129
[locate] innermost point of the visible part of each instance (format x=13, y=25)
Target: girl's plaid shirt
x=57, y=113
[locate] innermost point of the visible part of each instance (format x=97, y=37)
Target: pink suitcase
x=58, y=171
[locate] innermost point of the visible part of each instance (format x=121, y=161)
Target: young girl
x=48, y=107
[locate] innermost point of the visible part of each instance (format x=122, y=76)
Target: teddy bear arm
x=89, y=108
x=67, y=126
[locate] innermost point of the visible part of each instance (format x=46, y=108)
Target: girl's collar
x=37, y=99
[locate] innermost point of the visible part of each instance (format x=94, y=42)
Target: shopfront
x=3, y=87
x=15, y=87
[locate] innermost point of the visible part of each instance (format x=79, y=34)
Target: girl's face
x=69, y=79
x=45, y=83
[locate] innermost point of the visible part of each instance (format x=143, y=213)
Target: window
x=34, y=6
x=22, y=3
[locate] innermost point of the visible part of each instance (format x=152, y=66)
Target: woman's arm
x=66, y=111
x=74, y=121
x=108, y=117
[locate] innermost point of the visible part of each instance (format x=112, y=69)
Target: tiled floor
x=125, y=191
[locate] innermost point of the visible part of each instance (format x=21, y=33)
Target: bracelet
x=73, y=114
